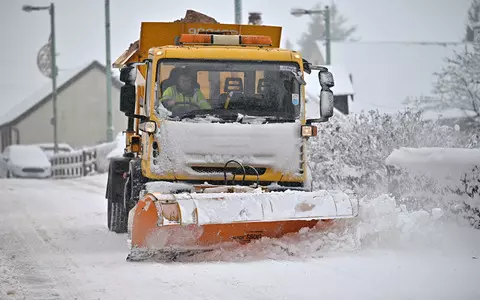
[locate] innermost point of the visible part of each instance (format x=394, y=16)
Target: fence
x=82, y=162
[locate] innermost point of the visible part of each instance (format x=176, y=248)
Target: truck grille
x=232, y=170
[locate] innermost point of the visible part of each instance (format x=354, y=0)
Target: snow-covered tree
x=473, y=18
x=316, y=30
x=457, y=85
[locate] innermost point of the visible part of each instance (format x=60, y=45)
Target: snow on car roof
x=28, y=154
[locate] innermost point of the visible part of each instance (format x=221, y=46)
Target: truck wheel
x=109, y=214
x=116, y=213
x=118, y=218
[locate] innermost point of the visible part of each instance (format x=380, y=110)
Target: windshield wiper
x=202, y=113
x=276, y=119
x=265, y=119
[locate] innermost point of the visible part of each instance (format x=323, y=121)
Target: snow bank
x=445, y=162
x=119, y=146
x=102, y=159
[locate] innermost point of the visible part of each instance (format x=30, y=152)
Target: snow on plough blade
x=203, y=221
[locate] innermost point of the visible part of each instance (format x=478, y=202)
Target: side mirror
x=326, y=95
x=127, y=92
x=326, y=104
x=127, y=99
x=128, y=74
x=326, y=79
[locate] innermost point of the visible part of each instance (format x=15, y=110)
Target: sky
x=80, y=31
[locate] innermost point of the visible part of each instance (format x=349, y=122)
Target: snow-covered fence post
x=65, y=165
x=81, y=162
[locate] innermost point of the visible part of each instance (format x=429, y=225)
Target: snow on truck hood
x=186, y=144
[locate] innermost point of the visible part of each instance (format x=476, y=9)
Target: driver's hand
x=169, y=103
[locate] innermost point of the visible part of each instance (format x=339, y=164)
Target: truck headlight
x=309, y=131
x=149, y=126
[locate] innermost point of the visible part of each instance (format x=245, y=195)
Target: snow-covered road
x=54, y=244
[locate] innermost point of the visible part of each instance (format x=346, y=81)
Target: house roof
x=64, y=80
x=385, y=74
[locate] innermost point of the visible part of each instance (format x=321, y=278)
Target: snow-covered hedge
x=350, y=153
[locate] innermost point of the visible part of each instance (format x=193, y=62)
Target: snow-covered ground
x=54, y=244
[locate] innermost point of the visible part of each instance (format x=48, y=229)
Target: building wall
x=82, y=111
x=341, y=103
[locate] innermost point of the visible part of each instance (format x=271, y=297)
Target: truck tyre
x=109, y=214
x=116, y=216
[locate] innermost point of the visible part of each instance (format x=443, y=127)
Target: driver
x=184, y=92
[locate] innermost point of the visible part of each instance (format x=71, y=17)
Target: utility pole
x=54, y=79
x=298, y=12
x=327, y=35
x=53, y=66
x=109, y=72
x=238, y=11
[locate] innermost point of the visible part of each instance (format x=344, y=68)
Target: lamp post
x=109, y=73
x=238, y=11
x=51, y=10
x=298, y=12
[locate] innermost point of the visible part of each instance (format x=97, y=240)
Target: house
x=81, y=109
x=343, y=90
x=465, y=120
x=387, y=73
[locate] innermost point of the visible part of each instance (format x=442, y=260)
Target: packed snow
x=55, y=245
x=258, y=206
x=184, y=144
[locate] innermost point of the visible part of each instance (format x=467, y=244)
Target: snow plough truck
x=227, y=163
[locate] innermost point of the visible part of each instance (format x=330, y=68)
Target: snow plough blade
x=188, y=222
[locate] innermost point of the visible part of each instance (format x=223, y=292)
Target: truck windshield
x=227, y=90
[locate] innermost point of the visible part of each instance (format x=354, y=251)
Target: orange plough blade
x=193, y=221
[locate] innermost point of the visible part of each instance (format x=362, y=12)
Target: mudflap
x=134, y=184
x=116, y=180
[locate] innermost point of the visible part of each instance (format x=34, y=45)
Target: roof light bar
x=215, y=39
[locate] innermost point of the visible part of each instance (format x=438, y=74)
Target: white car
x=48, y=148
x=25, y=161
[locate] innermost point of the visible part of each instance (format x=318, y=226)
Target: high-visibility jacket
x=197, y=98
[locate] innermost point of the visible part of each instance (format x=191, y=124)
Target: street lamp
x=298, y=12
x=51, y=10
x=110, y=128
